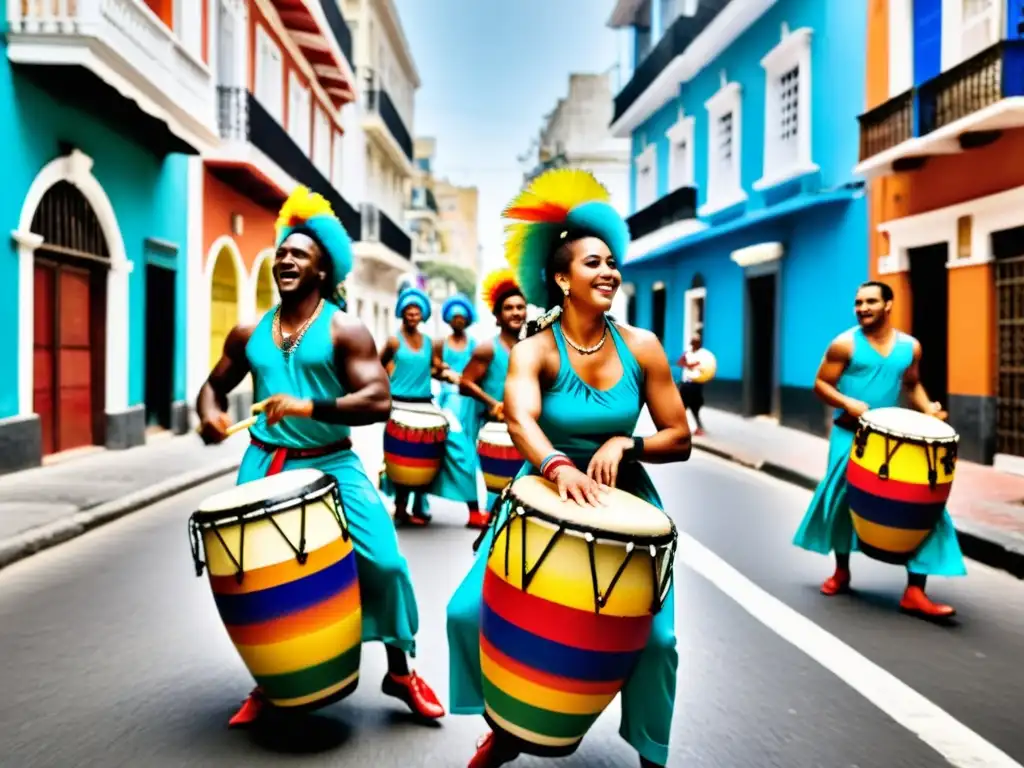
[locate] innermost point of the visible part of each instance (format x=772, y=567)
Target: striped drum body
x=415, y=441
x=554, y=648
x=283, y=574
x=899, y=477
x=499, y=459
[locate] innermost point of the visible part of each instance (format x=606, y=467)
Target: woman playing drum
x=575, y=390
x=456, y=350
x=411, y=355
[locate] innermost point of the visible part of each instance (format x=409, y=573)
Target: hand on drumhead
x=214, y=428
x=279, y=406
x=935, y=409
x=573, y=484
x=498, y=411
x=604, y=466
x=857, y=409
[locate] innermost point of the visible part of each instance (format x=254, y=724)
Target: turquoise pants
x=389, y=603
x=648, y=698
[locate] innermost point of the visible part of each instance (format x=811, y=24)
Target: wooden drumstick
x=244, y=424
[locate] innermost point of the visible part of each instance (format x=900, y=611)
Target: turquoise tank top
x=493, y=380
x=577, y=418
x=458, y=359
x=872, y=378
x=309, y=373
x=410, y=378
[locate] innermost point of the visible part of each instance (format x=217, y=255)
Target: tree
x=464, y=278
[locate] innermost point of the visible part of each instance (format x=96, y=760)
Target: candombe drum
x=899, y=477
x=500, y=461
x=707, y=366
x=415, y=441
x=283, y=574
x=568, y=603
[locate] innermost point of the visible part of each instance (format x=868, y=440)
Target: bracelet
x=556, y=464
x=549, y=458
x=323, y=410
x=636, y=451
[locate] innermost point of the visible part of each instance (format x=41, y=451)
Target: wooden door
x=44, y=362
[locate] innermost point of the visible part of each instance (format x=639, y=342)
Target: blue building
x=749, y=226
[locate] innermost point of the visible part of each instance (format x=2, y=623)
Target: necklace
x=587, y=350
x=291, y=343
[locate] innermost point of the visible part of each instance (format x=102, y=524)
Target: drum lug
x=860, y=440
x=933, y=478
x=949, y=459
x=883, y=471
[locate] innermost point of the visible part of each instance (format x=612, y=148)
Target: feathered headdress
x=310, y=214
x=458, y=306
x=413, y=297
x=551, y=205
x=497, y=286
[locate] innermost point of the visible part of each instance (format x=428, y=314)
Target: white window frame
x=269, y=75
x=647, y=161
x=690, y=299
x=782, y=163
x=681, y=132
x=322, y=131
x=901, y=46
x=187, y=18
x=956, y=28
x=724, y=192
x=300, y=113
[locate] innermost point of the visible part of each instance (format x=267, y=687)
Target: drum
x=707, y=366
x=899, y=477
x=569, y=598
x=500, y=461
x=415, y=441
x=283, y=574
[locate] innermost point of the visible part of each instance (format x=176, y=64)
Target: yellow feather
x=562, y=187
x=514, y=236
x=492, y=281
x=301, y=205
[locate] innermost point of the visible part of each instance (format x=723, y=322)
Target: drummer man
x=315, y=367
x=872, y=366
x=692, y=391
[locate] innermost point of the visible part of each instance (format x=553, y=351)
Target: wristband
x=323, y=410
x=549, y=458
x=635, y=452
x=556, y=464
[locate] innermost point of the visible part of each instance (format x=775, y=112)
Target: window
x=693, y=314
x=901, y=46
x=787, y=119
x=269, y=75
x=298, y=113
x=658, y=304
x=680, y=158
x=982, y=25
x=188, y=25
x=646, y=177
x=322, y=142
x=724, y=143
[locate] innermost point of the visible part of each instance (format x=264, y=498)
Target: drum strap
x=281, y=455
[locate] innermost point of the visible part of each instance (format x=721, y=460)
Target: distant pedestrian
x=692, y=391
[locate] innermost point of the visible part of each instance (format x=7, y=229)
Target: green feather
x=533, y=260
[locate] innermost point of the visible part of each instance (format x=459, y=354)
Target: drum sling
x=281, y=455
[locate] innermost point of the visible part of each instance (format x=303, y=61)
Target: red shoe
x=837, y=583
x=250, y=711
x=417, y=695
x=479, y=520
x=404, y=518
x=487, y=754
x=916, y=602
x=699, y=432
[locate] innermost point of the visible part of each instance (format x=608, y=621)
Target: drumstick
x=244, y=424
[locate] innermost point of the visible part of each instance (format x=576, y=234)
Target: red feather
x=541, y=212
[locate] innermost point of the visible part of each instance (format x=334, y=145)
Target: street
x=114, y=655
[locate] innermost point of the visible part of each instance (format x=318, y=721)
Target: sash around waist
x=310, y=452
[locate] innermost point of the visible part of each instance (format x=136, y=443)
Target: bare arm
x=369, y=392
x=523, y=400
x=438, y=367
x=836, y=358
x=671, y=442
x=227, y=374
x=388, y=353
x=474, y=371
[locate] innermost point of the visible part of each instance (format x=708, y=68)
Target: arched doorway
x=223, y=302
x=69, y=320
x=265, y=297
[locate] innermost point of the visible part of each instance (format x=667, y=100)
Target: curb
x=43, y=537
x=979, y=542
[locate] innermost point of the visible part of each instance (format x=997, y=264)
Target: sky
x=490, y=71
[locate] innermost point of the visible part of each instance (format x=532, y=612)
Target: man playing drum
x=869, y=367
x=315, y=368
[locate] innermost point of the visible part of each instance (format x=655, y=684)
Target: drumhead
x=496, y=433
x=265, y=493
x=905, y=422
x=419, y=419
x=625, y=514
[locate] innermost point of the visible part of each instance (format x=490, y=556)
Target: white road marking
x=961, y=746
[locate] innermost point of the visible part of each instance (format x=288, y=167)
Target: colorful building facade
x=942, y=145
x=103, y=102
x=749, y=226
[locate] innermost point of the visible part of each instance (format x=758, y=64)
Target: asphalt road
x=113, y=655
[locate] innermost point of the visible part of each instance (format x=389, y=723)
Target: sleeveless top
x=577, y=418
x=458, y=359
x=410, y=379
x=872, y=378
x=493, y=380
x=309, y=373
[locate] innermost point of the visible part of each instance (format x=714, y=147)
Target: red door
x=63, y=356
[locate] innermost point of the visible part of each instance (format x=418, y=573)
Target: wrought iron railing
x=377, y=100
x=887, y=125
x=338, y=26
x=990, y=76
x=678, y=205
x=377, y=227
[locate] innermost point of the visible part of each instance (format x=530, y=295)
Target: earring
x=565, y=290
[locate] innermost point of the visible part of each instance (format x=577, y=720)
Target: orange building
x=284, y=73
x=942, y=145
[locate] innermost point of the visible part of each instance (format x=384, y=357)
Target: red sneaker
x=916, y=602
x=488, y=755
x=250, y=711
x=837, y=583
x=414, y=691
x=479, y=520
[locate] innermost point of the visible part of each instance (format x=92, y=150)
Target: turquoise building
x=749, y=226
x=103, y=101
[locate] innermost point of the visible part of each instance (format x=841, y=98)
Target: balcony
x=319, y=30
x=338, y=26
x=678, y=205
x=964, y=107
x=116, y=57
x=379, y=228
x=259, y=159
x=422, y=204
x=383, y=122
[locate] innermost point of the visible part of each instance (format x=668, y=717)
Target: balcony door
x=228, y=24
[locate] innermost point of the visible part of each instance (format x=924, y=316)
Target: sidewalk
x=987, y=506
